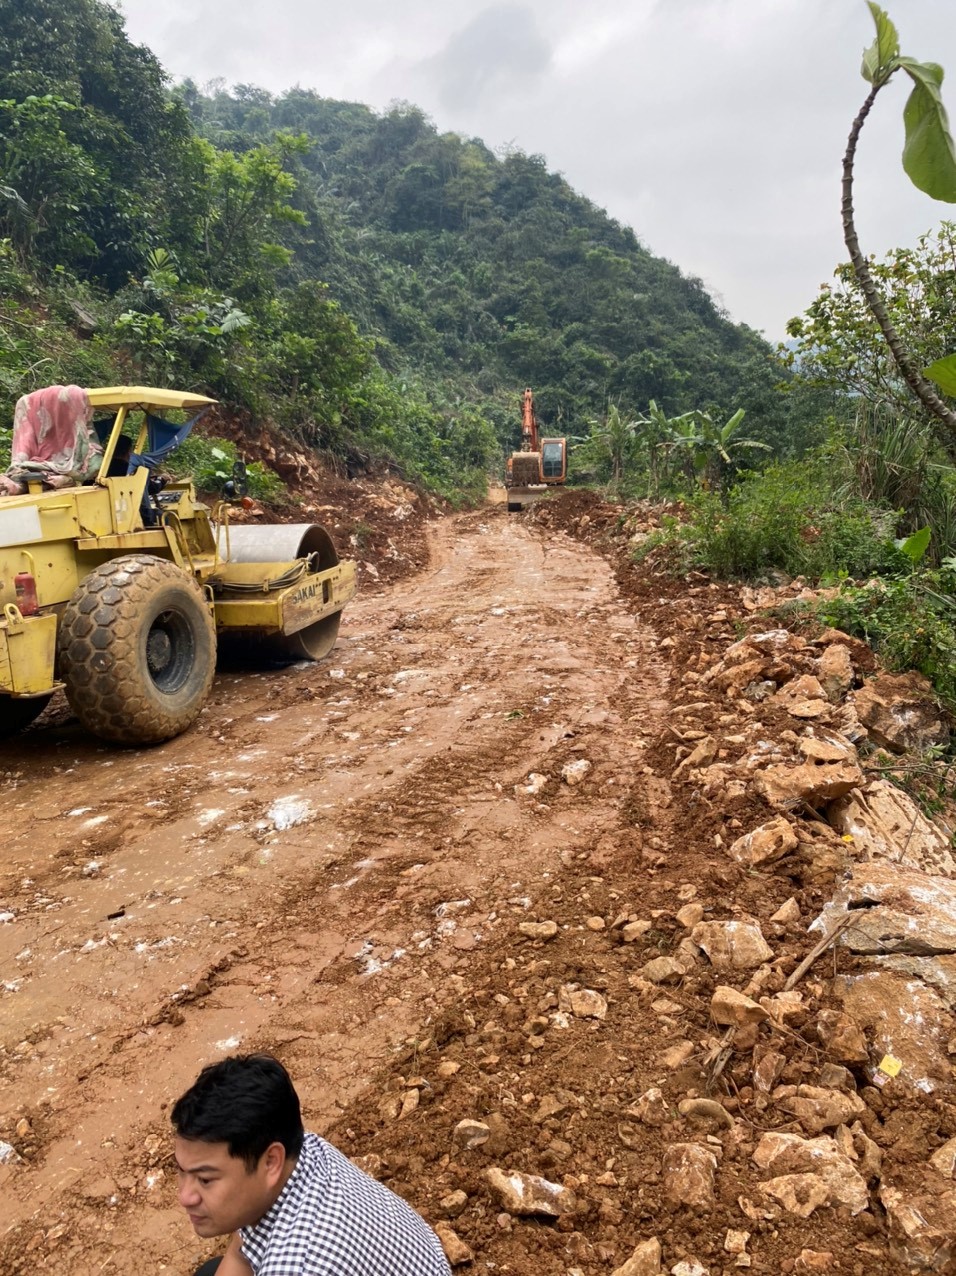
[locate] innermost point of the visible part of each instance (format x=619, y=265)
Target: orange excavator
x=541, y=463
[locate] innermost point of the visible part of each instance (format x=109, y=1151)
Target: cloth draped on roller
x=162, y=438
x=54, y=441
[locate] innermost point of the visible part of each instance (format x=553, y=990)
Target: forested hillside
x=366, y=281
x=490, y=269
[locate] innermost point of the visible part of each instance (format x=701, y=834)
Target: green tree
x=46, y=178
x=610, y=445
x=930, y=161
x=247, y=205
x=175, y=332
x=709, y=446
x=316, y=359
x=839, y=342
x=125, y=134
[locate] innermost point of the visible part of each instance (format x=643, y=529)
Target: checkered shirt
x=330, y=1219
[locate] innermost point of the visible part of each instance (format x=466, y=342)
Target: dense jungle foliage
x=369, y=283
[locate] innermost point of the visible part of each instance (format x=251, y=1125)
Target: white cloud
x=593, y=35
x=499, y=53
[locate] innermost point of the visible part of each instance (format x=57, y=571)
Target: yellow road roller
x=116, y=583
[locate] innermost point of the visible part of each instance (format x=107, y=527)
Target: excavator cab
x=554, y=460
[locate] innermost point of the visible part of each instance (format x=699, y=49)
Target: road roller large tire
x=16, y=714
x=137, y=650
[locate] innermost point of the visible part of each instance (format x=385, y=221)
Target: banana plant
x=929, y=160
x=612, y=439
x=708, y=444
x=651, y=431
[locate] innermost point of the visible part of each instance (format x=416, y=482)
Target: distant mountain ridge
x=491, y=269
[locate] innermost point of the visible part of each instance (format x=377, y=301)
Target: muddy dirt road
x=319, y=868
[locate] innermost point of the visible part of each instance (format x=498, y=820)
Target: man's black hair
x=247, y=1101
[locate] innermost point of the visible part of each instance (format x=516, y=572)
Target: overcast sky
x=715, y=128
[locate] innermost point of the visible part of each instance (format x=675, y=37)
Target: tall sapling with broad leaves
x=930, y=161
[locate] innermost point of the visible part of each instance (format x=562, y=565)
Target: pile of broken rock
x=829, y=810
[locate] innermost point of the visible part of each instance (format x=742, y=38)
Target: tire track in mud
x=309, y=870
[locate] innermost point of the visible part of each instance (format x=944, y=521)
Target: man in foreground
x=296, y=1205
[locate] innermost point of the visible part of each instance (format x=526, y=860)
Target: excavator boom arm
x=529, y=423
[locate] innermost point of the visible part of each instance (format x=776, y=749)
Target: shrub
x=787, y=518
x=898, y=462
x=447, y=448
x=38, y=349
x=208, y=461
x=910, y=621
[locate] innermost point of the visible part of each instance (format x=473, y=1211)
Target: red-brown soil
x=333, y=865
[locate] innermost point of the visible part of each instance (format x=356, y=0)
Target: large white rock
x=901, y=713
x=830, y=769
x=944, y=1159
x=645, y=1261
x=799, y=1194
x=922, y=1226
x=765, y=844
x=895, y=910
x=817, y=1108
x=803, y=697
x=730, y=1007
x=527, y=1194
x=835, y=671
x=574, y=772
x=903, y=1018
x=583, y=1003
x=732, y=945
x=689, y=1170
x=651, y=1108
x=538, y=930
x=782, y=1153
x=456, y=1251
x=886, y=824
x=938, y=973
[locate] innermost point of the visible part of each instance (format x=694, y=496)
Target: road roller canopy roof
x=113, y=397
x=155, y=438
